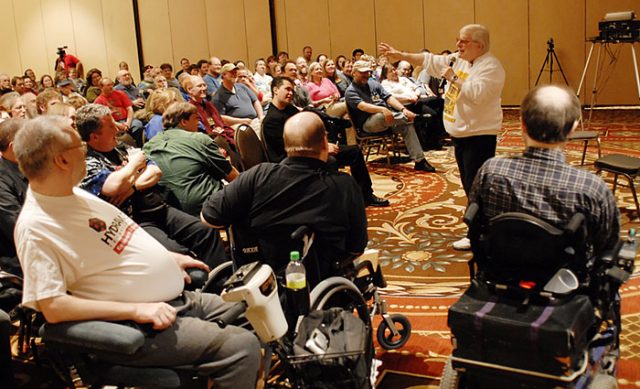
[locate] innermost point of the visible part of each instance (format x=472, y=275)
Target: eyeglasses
x=463, y=41
x=82, y=145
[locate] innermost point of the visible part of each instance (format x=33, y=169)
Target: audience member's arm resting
x=258, y=107
x=122, y=180
x=149, y=177
x=233, y=174
x=129, y=116
x=230, y=120
x=186, y=262
x=204, y=220
x=70, y=308
x=371, y=108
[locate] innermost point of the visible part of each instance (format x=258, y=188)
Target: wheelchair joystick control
x=256, y=285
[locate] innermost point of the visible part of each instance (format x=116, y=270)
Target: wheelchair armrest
x=471, y=213
x=94, y=336
x=575, y=223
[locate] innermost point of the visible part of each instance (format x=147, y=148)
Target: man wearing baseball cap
x=235, y=101
x=375, y=110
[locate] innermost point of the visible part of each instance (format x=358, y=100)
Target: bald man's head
x=305, y=136
x=549, y=113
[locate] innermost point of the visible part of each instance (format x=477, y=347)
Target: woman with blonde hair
x=323, y=92
x=157, y=104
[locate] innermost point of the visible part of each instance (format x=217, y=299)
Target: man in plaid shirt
x=540, y=182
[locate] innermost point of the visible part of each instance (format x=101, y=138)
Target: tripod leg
x=550, y=55
x=586, y=66
x=560, y=67
x=594, y=90
x=544, y=64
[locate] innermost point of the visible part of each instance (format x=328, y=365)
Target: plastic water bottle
x=297, y=288
x=629, y=247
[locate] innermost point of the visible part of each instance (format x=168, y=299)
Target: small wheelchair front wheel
x=386, y=337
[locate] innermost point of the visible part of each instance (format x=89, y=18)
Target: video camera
x=61, y=53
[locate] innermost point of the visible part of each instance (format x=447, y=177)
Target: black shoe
x=432, y=146
x=424, y=166
x=375, y=201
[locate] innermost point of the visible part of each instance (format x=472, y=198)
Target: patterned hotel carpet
x=426, y=275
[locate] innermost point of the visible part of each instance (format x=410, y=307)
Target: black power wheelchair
x=538, y=313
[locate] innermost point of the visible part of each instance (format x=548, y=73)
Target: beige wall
x=199, y=29
x=102, y=33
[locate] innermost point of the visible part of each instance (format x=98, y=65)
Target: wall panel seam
x=173, y=52
x=246, y=32
x=15, y=28
x=44, y=37
x=104, y=35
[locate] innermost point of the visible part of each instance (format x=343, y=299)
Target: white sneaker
x=463, y=244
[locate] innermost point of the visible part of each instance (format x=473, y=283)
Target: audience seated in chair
x=370, y=107
x=121, y=109
x=236, y=103
x=281, y=110
x=126, y=85
x=301, y=98
x=271, y=200
x=427, y=107
x=130, y=182
x=192, y=166
x=212, y=77
x=263, y=81
x=210, y=121
x=87, y=260
x=323, y=92
x=540, y=182
x=46, y=99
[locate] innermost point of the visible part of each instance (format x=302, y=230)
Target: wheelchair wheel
x=385, y=336
x=450, y=378
x=339, y=292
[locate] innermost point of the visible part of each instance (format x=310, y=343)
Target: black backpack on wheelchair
x=537, y=310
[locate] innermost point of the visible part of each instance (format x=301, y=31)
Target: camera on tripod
x=550, y=44
x=61, y=51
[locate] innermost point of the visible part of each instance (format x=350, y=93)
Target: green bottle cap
x=294, y=256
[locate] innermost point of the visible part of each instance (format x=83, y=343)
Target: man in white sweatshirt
x=472, y=108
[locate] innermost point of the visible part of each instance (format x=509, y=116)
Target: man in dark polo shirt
x=272, y=200
x=235, y=101
x=282, y=109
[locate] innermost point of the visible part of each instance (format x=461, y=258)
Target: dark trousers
x=180, y=232
x=352, y=156
x=471, y=153
x=430, y=130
